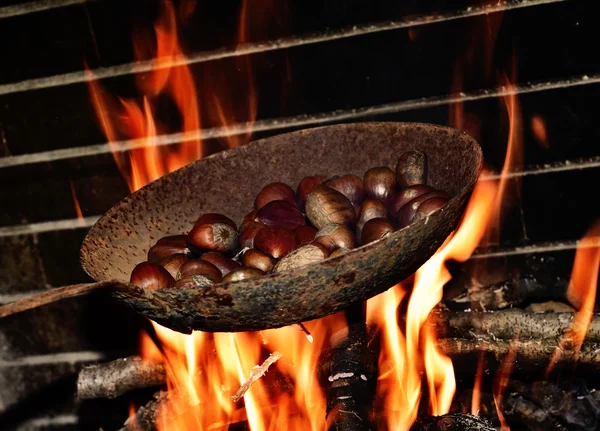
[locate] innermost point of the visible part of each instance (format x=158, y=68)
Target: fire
x=501, y=381
x=405, y=354
x=476, y=398
x=76, y=202
x=539, y=130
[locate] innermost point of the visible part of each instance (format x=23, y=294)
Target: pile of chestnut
x=324, y=217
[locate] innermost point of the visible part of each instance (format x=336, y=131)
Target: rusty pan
x=227, y=182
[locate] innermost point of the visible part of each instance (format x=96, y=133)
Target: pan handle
x=55, y=295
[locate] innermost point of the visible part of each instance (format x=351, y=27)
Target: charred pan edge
x=304, y=293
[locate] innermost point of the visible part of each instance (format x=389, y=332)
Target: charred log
x=348, y=372
x=504, y=324
x=452, y=422
x=115, y=378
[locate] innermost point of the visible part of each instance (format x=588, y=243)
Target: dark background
x=539, y=43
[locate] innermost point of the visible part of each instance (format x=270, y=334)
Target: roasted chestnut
x=375, y=229
x=275, y=241
x=349, y=185
x=407, y=212
x=326, y=205
x=430, y=206
x=335, y=236
x=191, y=281
x=257, y=259
x=242, y=274
x=201, y=267
x=411, y=168
x=168, y=245
x=274, y=192
x=210, y=218
x=339, y=252
x=280, y=214
x=406, y=195
x=222, y=262
x=248, y=234
x=304, y=255
x=214, y=237
x=149, y=275
x=173, y=263
x=371, y=208
x=305, y=188
x=305, y=234
x=379, y=182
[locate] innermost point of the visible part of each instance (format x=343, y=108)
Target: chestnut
x=335, y=236
x=407, y=212
x=210, y=218
x=370, y=209
x=222, y=262
x=168, y=245
x=173, y=263
x=280, y=214
x=326, y=205
x=247, y=236
x=257, y=259
x=305, y=234
x=274, y=192
x=406, y=195
x=214, y=237
x=349, y=185
x=242, y=274
x=379, y=182
x=275, y=241
x=200, y=267
x=306, y=186
x=339, y=252
x=191, y=281
x=149, y=275
x=411, y=168
x=247, y=220
x=430, y=206
x=375, y=229
x=305, y=255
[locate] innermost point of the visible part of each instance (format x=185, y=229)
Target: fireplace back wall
x=342, y=61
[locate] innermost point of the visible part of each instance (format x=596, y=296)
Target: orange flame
x=400, y=358
x=476, y=398
x=581, y=293
x=76, y=202
x=501, y=381
x=539, y=130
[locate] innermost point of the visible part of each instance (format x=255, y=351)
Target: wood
x=256, y=373
x=111, y=379
x=452, y=421
x=55, y=295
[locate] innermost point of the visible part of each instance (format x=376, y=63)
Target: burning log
x=348, y=373
x=115, y=378
x=503, y=324
x=256, y=373
x=145, y=417
x=452, y=422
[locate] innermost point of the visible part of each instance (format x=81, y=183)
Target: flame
x=476, y=398
x=539, y=130
x=76, y=202
x=501, y=381
x=581, y=293
x=404, y=355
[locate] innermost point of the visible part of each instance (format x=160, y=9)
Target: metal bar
x=48, y=226
x=295, y=121
x=548, y=168
x=543, y=247
x=35, y=6
x=55, y=358
x=253, y=48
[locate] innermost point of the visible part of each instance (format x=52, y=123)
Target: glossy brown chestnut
x=210, y=218
x=339, y=252
x=349, y=185
x=149, y=275
x=257, y=259
x=406, y=195
x=305, y=255
x=375, y=229
x=173, y=263
x=214, y=237
x=201, y=267
x=248, y=219
x=280, y=214
x=371, y=208
x=305, y=234
x=275, y=241
x=247, y=236
x=335, y=236
x=379, y=182
x=429, y=207
x=325, y=206
x=407, y=212
x=274, y=192
x=411, y=168
x=242, y=274
x=191, y=281
x=306, y=186
x=168, y=245
x=222, y=262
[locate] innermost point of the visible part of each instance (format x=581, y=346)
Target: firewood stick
x=503, y=324
x=452, y=421
x=112, y=379
x=55, y=295
x=255, y=374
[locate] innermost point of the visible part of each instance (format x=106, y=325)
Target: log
x=452, y=421
x=348, y=375
x=112, y=379
x=503, y=324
